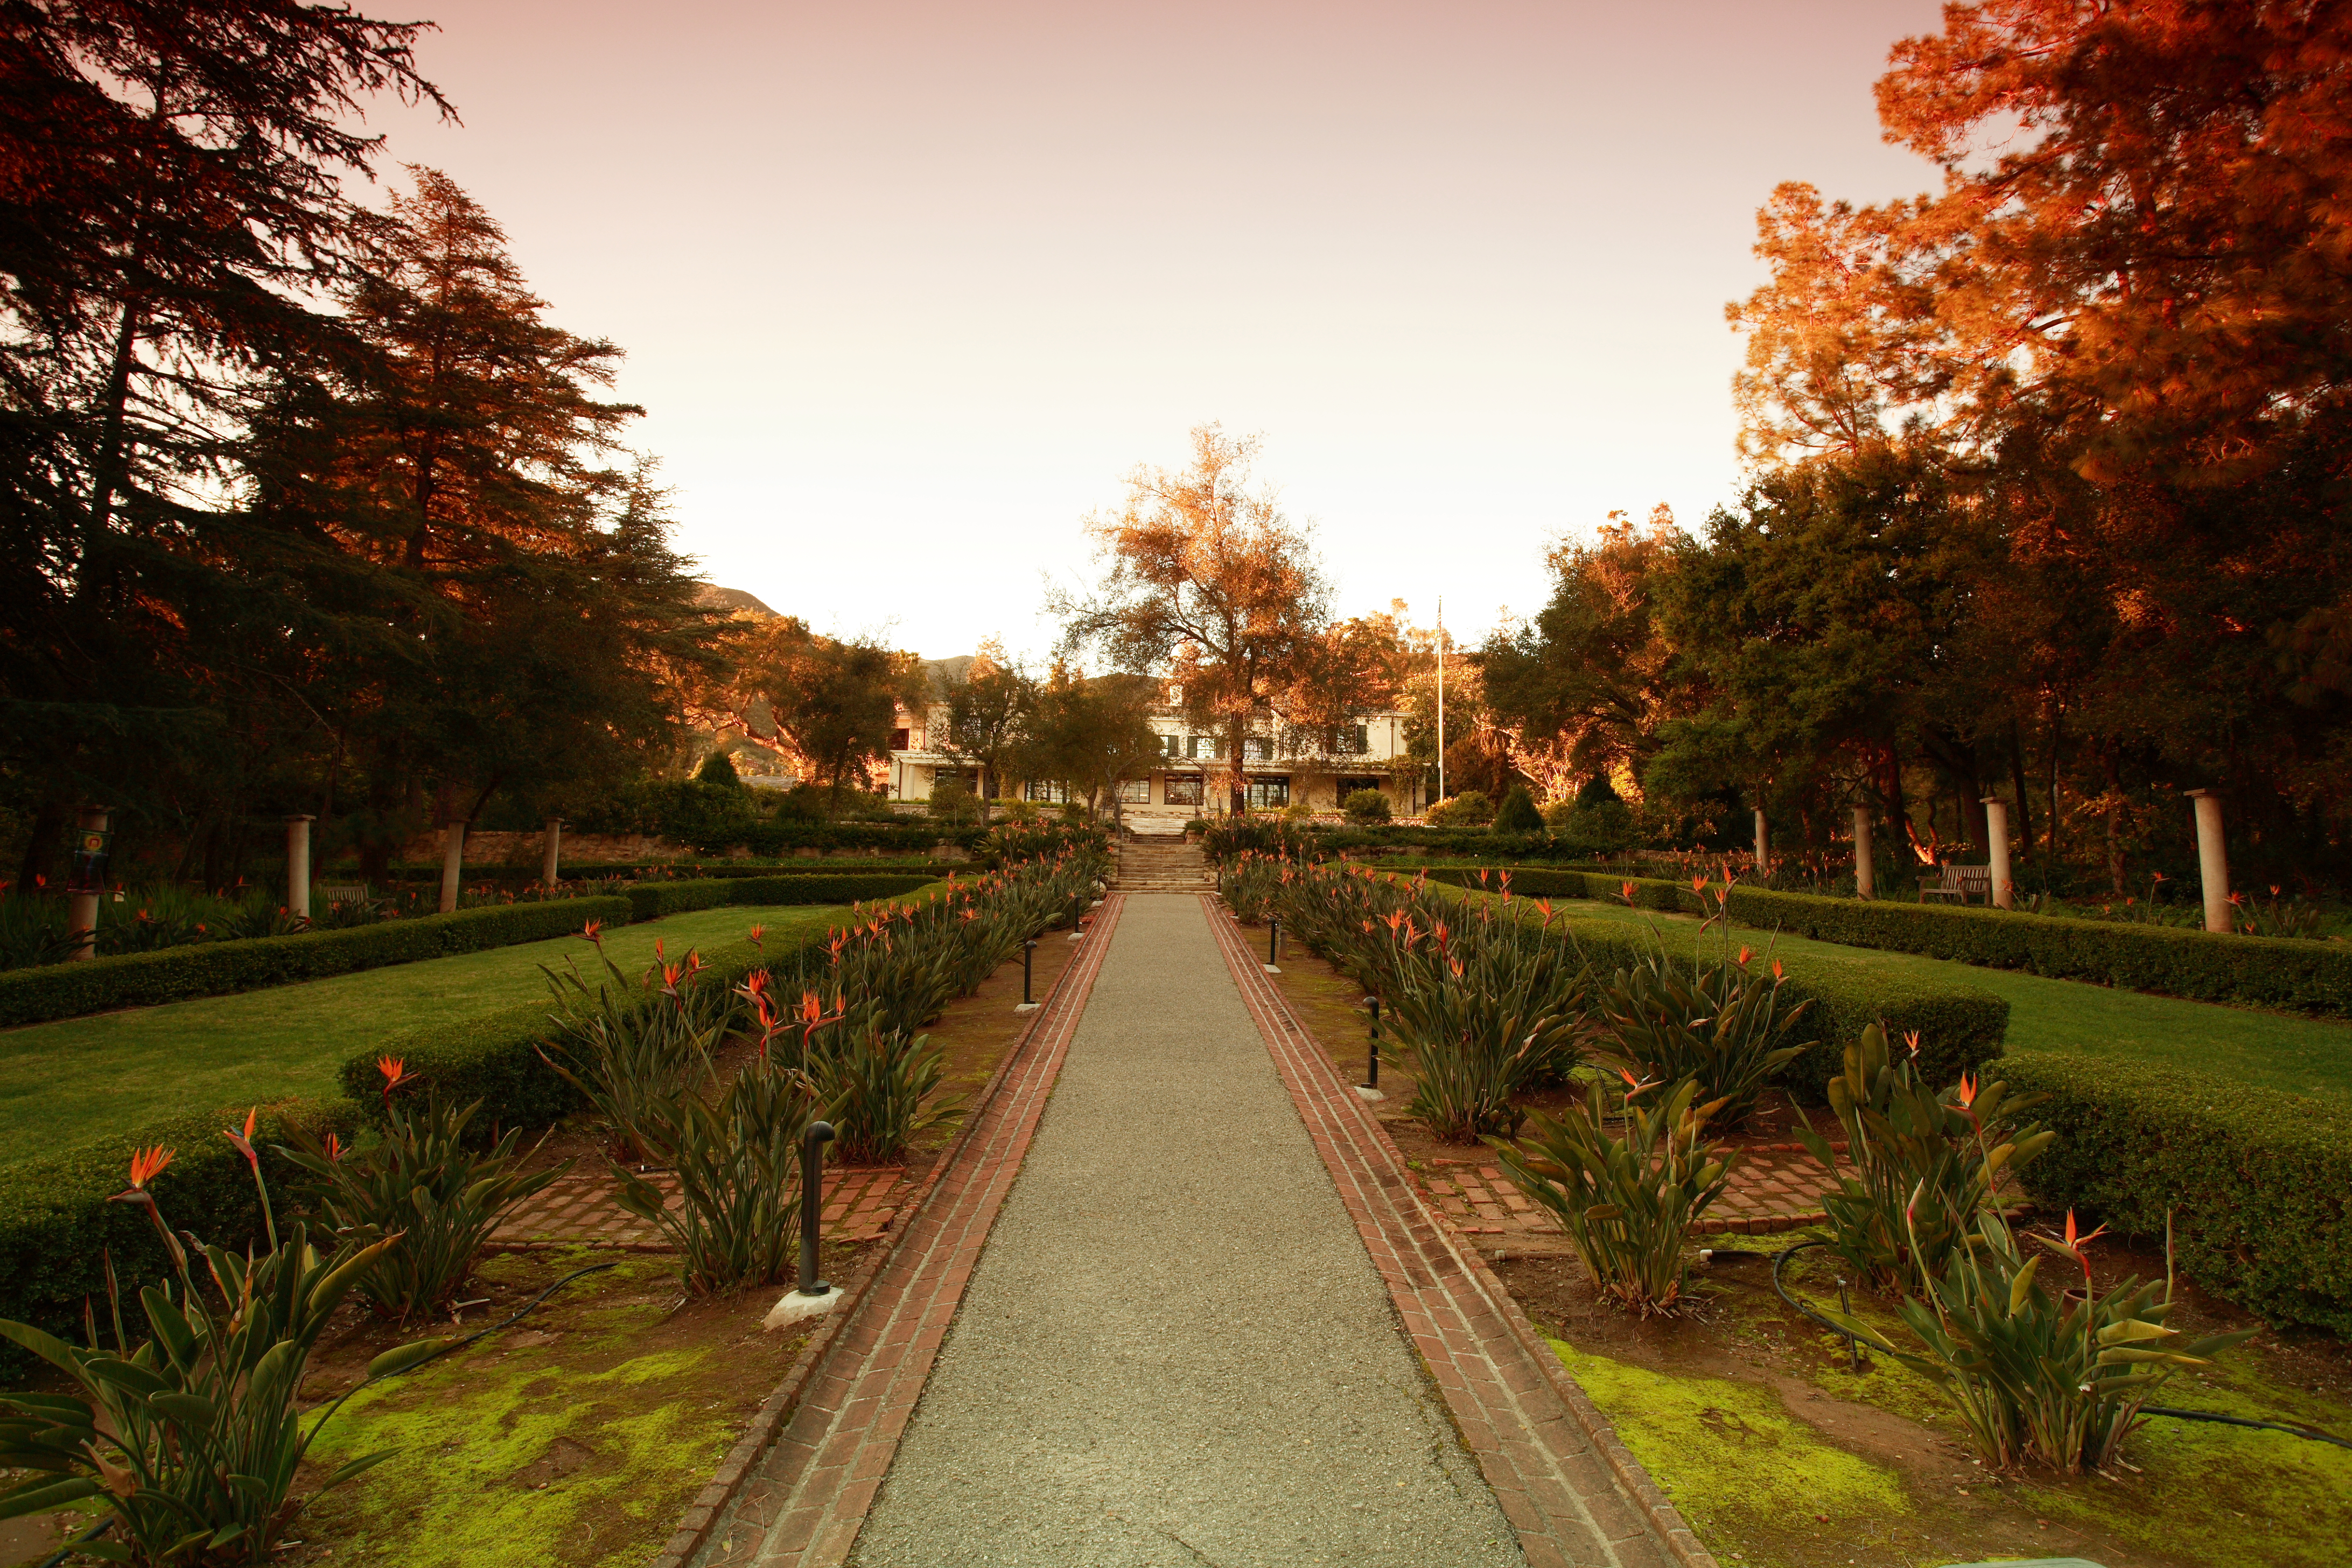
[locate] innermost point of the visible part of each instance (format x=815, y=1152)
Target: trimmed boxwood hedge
x=2284, y=972
x=214, y=968
x=524, y=876
x=1961, y=1028
x=652, y=900
x=2258, y=1180
x=57, y=1227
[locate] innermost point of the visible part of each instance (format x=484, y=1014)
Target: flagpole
x=1441, y=697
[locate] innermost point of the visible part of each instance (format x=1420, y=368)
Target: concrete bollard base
x=795, y=1308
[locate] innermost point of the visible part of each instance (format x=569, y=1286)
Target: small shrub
x=950, y=801
x=629, y=1049
x=718, y=768
x=195, y=1438
x=1470, y=808
x=2058, y=1378
x=738, y=1169
x=873, y=1083
x=1518, y=812
x=1723, y=1027
x=1919, y=1164
x=1366, y=807
x=1627, y=1201
x=419, y=1182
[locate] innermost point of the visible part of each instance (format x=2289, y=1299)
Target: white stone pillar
x=298, y=864
x=2213, y=859
x=81, y=903
x=551, y=868
x=1763, y=848
x=1866, y=871
x=453, y=861
x=2004, y=889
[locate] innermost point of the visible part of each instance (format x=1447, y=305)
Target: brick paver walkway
x=1775, y=1188
x=578, y=1210
x=1568, y=1487
x=804, y=1501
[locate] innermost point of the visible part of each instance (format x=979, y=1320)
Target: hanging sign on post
x=91, y=847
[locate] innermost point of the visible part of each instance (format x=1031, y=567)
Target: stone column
x=2004, y=891
x=453, y=861
x=552, y=869
x=81, y=903
x=1865, y=869
x=298, y=864
x=2213, y=859
x=1763, y=848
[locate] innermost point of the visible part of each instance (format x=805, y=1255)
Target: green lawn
x=2274, y=1050
x=79, y=1079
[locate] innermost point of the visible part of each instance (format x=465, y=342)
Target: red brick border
x=797, y=1488
x=1568, y=1487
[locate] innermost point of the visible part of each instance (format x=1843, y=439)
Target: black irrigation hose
x=107, y=1523
x=2291, y=1428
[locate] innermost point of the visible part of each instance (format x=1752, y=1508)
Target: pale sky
x=907, y=288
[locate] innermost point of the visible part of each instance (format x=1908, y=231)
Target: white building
x=1280, y=767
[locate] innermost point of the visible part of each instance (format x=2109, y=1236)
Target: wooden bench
x=1962, y=882
x=341, y=894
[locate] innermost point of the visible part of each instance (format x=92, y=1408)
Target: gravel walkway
x=1174, y=1349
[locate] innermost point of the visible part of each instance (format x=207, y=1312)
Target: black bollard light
x=812, y=1143
x=1028, y=953
x=1274, y=939
x=1077, y=914
x=1372, y=1062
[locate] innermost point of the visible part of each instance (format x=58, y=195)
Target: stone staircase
x=1149, y=864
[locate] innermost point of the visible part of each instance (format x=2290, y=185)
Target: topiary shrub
x=1470, y=808
x=718, y=769
x=1519, y=813
x=1366, y=807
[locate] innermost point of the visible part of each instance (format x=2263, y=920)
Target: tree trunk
x=2017, y=779
x=41, y=848
x=2114, y=815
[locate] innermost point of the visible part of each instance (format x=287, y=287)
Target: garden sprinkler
x=812, y=1143
x=1845, y=1309
x=1372, y=1062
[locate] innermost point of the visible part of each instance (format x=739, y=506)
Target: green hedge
x=57, y=1228
x=2282, y=972
x=659, y=871
x=214, y=968
x=2258, y=1182
x=651, y=900
x=1961, y=1028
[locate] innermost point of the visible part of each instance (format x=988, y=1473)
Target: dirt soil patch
x=1756, y=1421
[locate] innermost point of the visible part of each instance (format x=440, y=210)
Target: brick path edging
x=775, y=1411
x=1672, y=1530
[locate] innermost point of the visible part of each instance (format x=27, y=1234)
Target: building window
x=1268, y=795
x=1349, y=787
x=898, y=739
x=1361, y=735
x=1257, y=749
x=1052, y=794
x=1135, y=792
x=1171, y=745
x=1183, y=789
x=1208, y=746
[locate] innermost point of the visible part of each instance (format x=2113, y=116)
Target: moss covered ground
x=577, y=1437
x=1782, y=1456
x=80, y=1079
